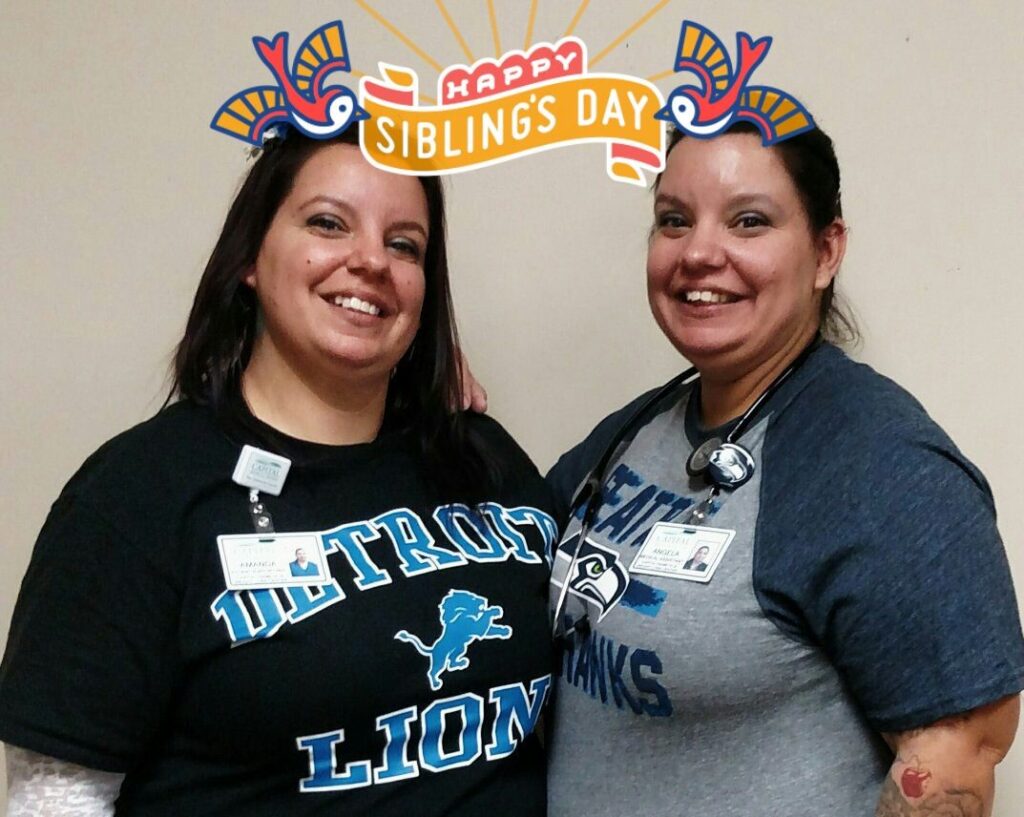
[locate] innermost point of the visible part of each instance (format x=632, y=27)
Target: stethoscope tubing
x=592, y=489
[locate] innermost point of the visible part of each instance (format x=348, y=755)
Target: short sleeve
x=92, y=656
x=574, y=465
x=883, y=549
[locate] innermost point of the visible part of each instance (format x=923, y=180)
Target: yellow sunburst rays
x=470, y=59
x=494, y=28
x=576, y=18
x=423, y=55
x=496, y=35
x=529, y=25
x=618, y=40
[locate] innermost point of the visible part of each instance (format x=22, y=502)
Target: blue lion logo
x=465, y=618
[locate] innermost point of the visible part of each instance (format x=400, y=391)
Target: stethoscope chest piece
x=697, y=462
x=729, y=465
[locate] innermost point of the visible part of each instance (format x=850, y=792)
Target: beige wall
x=112, y=189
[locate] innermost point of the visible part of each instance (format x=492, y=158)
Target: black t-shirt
x=409, y=684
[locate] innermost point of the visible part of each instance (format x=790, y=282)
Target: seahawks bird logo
x=722, y=95
x=596, y=575
x=302, y=98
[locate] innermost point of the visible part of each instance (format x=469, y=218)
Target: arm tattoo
x=891, y=803
x=950, y=803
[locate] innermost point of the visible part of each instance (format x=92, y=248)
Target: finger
x=478, y=398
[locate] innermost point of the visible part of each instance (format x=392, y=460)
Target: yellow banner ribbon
x=617, y=110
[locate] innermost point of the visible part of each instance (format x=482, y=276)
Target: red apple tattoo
x=913, y=781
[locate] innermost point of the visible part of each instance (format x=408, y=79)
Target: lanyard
x=724, y=464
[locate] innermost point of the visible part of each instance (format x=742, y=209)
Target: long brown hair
x=224, y=321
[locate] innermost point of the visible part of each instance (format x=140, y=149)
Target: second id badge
x=688, y=552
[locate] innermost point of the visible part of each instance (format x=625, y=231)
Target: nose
x=705, y=248
x=368, y=256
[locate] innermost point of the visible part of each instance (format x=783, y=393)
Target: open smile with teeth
x=356, y=304
x=706, y=296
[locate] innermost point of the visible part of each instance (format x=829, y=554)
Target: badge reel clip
x=258, y=470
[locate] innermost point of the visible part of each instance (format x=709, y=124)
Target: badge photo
x=689, y=552
x=253, y=561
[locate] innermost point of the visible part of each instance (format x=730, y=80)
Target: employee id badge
x=688, y=552
x=253, y=561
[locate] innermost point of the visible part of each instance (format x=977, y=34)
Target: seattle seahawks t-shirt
x=856, y=584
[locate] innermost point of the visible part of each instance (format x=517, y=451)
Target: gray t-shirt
x=864, y=589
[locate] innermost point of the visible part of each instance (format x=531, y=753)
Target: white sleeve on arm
x=42, y=786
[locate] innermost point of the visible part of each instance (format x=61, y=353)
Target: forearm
x=948, y=768
x=41, y=786
x=912, y=789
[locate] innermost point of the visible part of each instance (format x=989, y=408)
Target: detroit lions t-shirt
x=409, y=683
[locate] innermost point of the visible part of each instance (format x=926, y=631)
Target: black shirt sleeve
x=92, y=654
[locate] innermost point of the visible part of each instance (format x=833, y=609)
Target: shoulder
x=851, y=422
x=876, y=532
x=491, y=438
x=491, y=432
x=151, y=460
x=569, y=471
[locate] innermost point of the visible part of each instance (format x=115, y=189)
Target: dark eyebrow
x=665, y=198
x=344, y=205
x=748, y=199
x=321, y=199
x=410, y=225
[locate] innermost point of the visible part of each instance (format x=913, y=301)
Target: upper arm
x=92, y=659
x=891, y=563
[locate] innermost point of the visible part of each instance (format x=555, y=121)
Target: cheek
x=660, y=266
x=412, y=290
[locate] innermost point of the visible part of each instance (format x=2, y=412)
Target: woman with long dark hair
x=168, y=657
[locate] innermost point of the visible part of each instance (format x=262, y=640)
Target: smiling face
x=339, y=275
x=734, y=271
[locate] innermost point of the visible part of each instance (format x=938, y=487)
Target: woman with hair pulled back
x=305, y=586
x=834, y=654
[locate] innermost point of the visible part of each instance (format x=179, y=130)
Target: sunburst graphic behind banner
x=626, y=161
x=517, y=102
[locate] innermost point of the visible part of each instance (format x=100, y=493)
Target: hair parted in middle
x=224, y=322
x=809, y=159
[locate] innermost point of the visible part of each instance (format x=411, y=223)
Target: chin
x=700, y=346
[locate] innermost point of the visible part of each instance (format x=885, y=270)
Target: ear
x=831, y=247
x=249, y=277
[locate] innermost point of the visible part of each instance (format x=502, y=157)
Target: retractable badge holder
x=725, y=465
x=259, y=470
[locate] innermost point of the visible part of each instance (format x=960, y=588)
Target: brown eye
x=406, y=247
x=750, y=221
x=325, y=223
x=671, y=221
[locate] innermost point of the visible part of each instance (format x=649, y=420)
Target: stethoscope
x=724, y=464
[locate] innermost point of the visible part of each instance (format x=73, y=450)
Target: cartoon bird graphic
x=723, y=95
x=301, y=98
